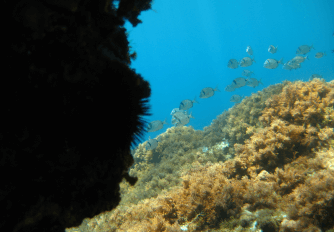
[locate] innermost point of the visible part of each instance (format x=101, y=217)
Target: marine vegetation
x=280, y=178
x=241, y=121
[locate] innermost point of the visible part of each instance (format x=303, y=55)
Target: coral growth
x=241, y=121
x=280, y=179
x=159, y=169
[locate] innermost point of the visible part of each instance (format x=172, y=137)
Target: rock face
x=70, y=109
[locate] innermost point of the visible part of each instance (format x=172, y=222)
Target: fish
x=155, y=125
x=333, y=51
x=272, y=49
x=236, y=98
x=177, y=110
x=249, y=50
x=298, y=59
x=272, y=63
x=232, y=63
x=187, y=104
x=181, y=118
x=315, y=76
x=152, y=143
x=247, y=73
x=290, y=66
x=320, y=54
x=253, y=82
x=230, y=88
x=239, y=82
x=304, y=49
x=208, y=92
x=246, y=61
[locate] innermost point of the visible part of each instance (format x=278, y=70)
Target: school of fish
x=181, y=116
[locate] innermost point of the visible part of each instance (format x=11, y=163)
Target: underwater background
x=265, y=164
x=184, y=46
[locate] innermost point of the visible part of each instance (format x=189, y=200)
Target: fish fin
x=260, y=82
x=194, y=101
x=165, y=121
x=325, y=54
x=216, y=89
x=191, y=116
x=281, y=61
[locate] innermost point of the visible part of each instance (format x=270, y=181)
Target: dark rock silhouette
x=70, y=110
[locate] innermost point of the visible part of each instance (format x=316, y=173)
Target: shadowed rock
x=70, y=109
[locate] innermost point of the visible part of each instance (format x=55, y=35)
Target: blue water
x=183, y=46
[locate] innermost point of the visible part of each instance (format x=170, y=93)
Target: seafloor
x=266, y=164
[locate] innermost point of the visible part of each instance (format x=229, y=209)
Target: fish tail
x=194, y=101
x=260, y=82
x=216, y=89
x=165, y=121
x=312, y=47
x=325, y=54
x=280, y=61
x=307, y=58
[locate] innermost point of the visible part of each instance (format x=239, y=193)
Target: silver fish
x=247, y=73
x=155, y=125
x=181, y=118
x=272, y=49
x=290, y=66
x=230, y=88
x=249, y=50
x=246, y=61
x=236, y=98
x=187, y=104
x=232, y=63
x=272, y=63
x=152, y=143
x=253, y=82
x=320, y=54
x=208, y=92
x=304, y=49
x=177, y=110
x=239, y=82
x=298, y=60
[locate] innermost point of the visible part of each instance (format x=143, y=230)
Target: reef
x=239, y=122
x=71, y=107
x=281, y=178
